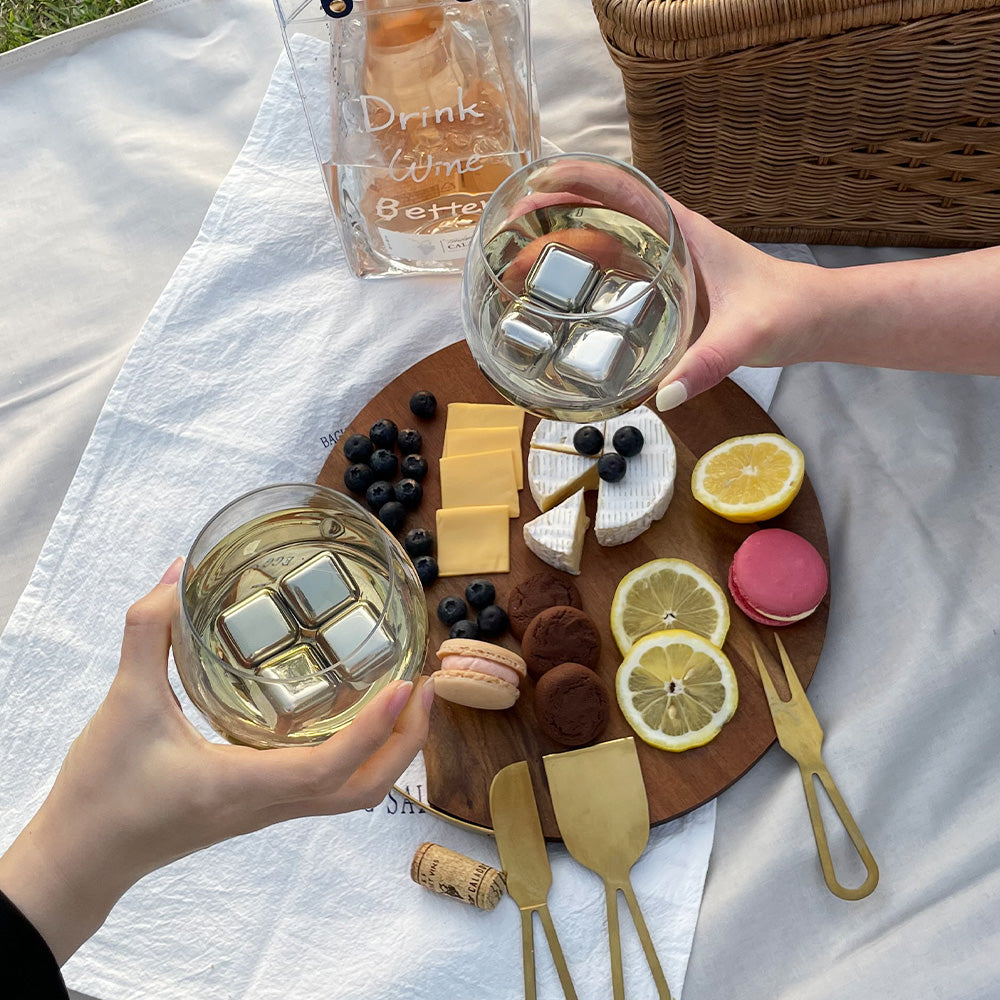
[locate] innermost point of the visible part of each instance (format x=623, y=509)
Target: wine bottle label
x=453, y=245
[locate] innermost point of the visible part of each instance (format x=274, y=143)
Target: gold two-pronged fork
x=801, y=737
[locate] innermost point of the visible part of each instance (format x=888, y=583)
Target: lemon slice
x=750, y=478
x=676, y=690
x=668, y=594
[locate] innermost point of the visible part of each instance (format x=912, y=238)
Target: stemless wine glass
x=296, y=607
x=578, y=292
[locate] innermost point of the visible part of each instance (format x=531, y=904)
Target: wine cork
x=451, y=874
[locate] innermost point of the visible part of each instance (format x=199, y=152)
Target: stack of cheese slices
x=481, y=472
x=558, y=476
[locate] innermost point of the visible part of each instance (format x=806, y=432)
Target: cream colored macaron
x=478, y=674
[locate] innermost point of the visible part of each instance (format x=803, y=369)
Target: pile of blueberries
x=490, y=621
x=627, y=442
x=372, y=474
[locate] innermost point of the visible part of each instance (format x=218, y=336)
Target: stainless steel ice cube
x=256, y=627
x=318, y=588
x=292, y=687
x=595, y=354
x=561, y=278
x=641, y=313
x=361, y=644
x=525, y=340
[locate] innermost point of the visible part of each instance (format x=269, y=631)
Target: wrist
x=65, y=894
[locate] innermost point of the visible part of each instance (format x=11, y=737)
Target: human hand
x=751, y=309
x=141, y=787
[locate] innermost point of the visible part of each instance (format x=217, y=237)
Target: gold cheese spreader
x=525, y=862
x=801, y=737
x=603, y=815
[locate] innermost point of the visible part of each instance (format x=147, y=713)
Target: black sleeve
x=28, y=970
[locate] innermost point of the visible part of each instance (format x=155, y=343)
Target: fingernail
x=427, y=692
x=173, y=573
x=400, y=696
x=671, y=395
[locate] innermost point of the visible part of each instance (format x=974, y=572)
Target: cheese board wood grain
x=465, y=748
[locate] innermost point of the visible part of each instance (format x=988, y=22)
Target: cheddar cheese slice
x=482, y=480
x=484, y=415
x=471, y=440
x=473, y=540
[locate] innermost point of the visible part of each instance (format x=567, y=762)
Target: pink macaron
x=777, y=577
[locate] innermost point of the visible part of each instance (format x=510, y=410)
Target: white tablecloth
x=113, y=139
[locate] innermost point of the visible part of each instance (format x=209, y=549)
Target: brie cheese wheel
x=627, y=508
x=557, y=435
x=554, y=475
x=556, y=536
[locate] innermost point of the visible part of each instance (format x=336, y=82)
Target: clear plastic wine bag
x=418, y=109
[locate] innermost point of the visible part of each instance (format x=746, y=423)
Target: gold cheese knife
x=801, y=737
x=525, y=862
x=603, y=816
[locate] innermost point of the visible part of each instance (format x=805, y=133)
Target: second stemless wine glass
x=578, y=292
x=296, y=607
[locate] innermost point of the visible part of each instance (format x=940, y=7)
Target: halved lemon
x=749, y=478
x=668, y=594
x=676, y=690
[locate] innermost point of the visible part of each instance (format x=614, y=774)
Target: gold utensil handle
x=528, y=952
x=819, y=832
x=557, y=956
x=662, y=989
x=528, y=955
x=614, y=941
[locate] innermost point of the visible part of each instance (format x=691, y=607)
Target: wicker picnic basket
x=818, y=121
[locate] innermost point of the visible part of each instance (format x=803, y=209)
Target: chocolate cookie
x=571, y=704
x=538, y=592
x=560, y=635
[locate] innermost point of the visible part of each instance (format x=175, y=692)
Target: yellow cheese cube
x=473, y=540
x=481, y=480
x=484, y=415
x=470, y=440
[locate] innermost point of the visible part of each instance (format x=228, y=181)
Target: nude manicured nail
x=671, y=395
x=427, y=692
x=400, y=696
x=173, y=573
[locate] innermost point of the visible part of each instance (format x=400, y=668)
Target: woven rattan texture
x=883, y=135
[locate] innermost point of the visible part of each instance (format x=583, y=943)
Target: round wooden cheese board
x=465, y=747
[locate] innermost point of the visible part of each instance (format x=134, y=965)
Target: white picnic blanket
x=260, y=348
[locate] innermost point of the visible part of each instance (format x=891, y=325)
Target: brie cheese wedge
x=556, y=536
x=554, y=475
x=627, y=508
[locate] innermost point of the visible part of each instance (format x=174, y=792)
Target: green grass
x=22, y=21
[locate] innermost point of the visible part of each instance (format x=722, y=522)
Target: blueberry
x=464, y=630
x=452, y=609
x=379, y=494
x=409, y=493
x=384, y=463
x=414, y=466
x=492, y=621
x=628, y=441
x=358, y=477
x=611, y=467
x=383, y=434
x=392, y=515
x=409, y=441
x=479, y=593
x=427, y=569
x=423, y=404
x=588, y=440
x=419, y=542
x=358, y=448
